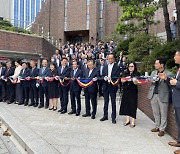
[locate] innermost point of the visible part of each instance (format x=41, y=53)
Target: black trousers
x=43, y=90
x=112, y=94
x=18, y=92
x=100, y=83
x=24, y=94
x=34, y=94
x=10, y=93
x=93, y=97
x=2, y=90
x=177, y=115
x=63, y=93
x=75, y=97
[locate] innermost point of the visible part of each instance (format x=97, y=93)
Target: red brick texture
x=145, y=106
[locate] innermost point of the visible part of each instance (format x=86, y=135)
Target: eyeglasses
x=131, y=66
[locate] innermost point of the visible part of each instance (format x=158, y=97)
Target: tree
x=137, y=15
x=178, y=17
x=166, y=18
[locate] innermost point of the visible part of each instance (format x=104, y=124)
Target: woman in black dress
x=130, y=95
x=53, y=87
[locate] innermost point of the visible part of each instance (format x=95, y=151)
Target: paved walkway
x=44, y=131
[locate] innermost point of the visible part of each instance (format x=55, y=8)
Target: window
x=16, y=3
x=22, y=14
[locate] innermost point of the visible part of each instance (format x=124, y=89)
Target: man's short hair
x=162, y=61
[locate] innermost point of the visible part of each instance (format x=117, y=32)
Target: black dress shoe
x=93, y=117
x=20, y=103
x=60, y=110
x=104, y=118
x=114, y=121
x=35, y=105
x=9, y=102
x=125, y=124
x=46, y=107
x=72, y=112
x=40, y=106
x=51, y=108
x=54, y=109
x=77, y=114
x=63, y=112
x=25, y=104
x=31, y=104
x=86, y=115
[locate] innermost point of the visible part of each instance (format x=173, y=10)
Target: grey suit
x=159, y=100
x=176, y=103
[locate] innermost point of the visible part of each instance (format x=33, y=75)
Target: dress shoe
x=132, y=126
x=86, y=115
x=104, y=118
x=60, y=110
x=72, y=112
x=155, y=130
x=20, y=103
x=174, y=144
x=161, y=133
x=51, y=108
x=77, y=114
x=40, y=106
x=26, y=104
x=114, y=121
x=35, y=105
x=9, y=102
x=31, y=104
x=177, y=151
x=46, y=107
x=93, y=117
x=63, y=112
x=54, y=109
x=127, y=123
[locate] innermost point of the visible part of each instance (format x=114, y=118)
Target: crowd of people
x=93, y=71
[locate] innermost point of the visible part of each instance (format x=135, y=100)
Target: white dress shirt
x=90, y=71
x=110, y=67
x=0, y=71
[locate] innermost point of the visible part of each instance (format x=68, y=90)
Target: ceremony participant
x=53, y=86
x=110, y=73
x=91, y=92
x=24, y=84
x=100, y=82
x=15, y=76
x=175, y=82
x=159, y=95
x=75, y=89
x=129, y=100
x=43, y=85
x=2, y=83
x=10, y=87
x=34, y=94
x=64, y=74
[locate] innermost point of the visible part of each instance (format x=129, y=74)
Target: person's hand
x=37, y=85
x=173, y=82
x=162, y=76
x=105, y=78
x=123, y=80
x=72, y=78
x=95, y=79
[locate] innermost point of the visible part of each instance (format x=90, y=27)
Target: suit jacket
x=115, y=73
x=176, y=93
x=2, y=74
x=163, y=87
x=123, y=67
x=9, y=72
x=74, y=84
x=95, y=73
x=33, y=73
x=43, y=74
x=65, y=73
x=22, y=75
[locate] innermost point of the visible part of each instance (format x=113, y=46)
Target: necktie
x=178, y=73
x=74, y=73
x=62, y=69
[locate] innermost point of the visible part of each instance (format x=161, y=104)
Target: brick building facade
x=77, y=21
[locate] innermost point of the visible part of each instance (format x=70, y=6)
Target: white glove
x=134, y=79
x=95, y=79
x=105, y=78
x=37, y=85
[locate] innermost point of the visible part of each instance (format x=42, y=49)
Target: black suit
x=91, y=91
x=2, y=85
x=43, y=87
x=75, y=91
x=33, y=89
x=24, y=84
x=63, y=90
x=9, y=85
x=109, y=89
x=100, y=82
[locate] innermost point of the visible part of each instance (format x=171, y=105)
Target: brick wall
x=25, y=43
x=145, y=106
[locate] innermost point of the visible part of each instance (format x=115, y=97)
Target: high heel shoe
x=50, y=108
x=132, y=126
x=54, y=109
x=125, y=124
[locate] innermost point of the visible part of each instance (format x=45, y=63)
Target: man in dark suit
x=75, y=89
x=91, y=92
x=2, y=83
x=43, y=85
x=176, y=100
x=9, y=85
x=24, y=84
x=33, y=89
x=64, y=73
x=110, y=72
